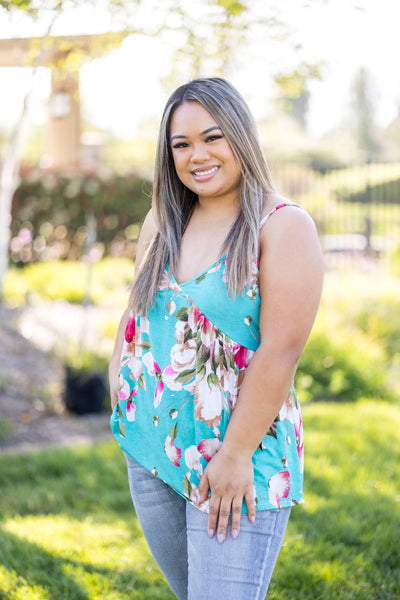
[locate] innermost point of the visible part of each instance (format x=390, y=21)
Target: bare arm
x=290, y=289
x=146, y=235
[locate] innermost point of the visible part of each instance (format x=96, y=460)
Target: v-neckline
x=197, y=276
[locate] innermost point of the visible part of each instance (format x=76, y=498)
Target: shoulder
x=288, y=223
x=149, y=227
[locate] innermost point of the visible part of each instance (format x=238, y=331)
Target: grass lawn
x=68, y=530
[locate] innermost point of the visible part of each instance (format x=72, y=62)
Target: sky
x=121, y=90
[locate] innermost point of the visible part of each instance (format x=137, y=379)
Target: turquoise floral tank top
x=181, y=370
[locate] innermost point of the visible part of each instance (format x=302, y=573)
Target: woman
x=227, y=288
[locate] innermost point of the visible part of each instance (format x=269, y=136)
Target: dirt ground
x=32, y=412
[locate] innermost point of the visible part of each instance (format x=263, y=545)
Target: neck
x=221, y=208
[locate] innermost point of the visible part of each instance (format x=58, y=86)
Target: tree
x=293, y=94
x=363, y=113
x=209, y=34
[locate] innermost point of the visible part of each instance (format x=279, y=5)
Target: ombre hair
x=173, y=202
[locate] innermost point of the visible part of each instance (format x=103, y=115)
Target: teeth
x=206, y=172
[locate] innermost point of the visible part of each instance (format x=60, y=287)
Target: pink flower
x=130, y=410
x=124, y=388
x=240, y=356
x=130, y=330
x=279, y=486
x=151, y=364
x=169, y=378
x=173, y=453
x=158, y=394
x=209, y=447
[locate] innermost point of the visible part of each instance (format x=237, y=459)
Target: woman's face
x=203, y=159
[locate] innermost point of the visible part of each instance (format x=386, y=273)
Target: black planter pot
x=85, y=391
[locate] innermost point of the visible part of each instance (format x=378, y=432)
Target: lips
x=205, y=173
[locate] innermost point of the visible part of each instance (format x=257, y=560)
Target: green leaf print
x=188, y=336
x=182, y=314
x=187, y=486
x=200, y=370
x=173, y=413
x=145, y=345
x=173, y=431
x=203, y=358
x=141, y=382
x=122, y=429
x=212, y=379
x=185, y=376
x=201, y=278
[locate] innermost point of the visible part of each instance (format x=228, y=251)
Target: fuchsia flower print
x=182, y=367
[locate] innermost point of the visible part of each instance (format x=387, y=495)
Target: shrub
x=341, y=366
x=51, y=213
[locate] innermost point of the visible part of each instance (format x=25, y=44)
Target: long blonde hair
x=173, y=203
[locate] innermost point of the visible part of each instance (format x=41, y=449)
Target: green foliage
x=342, y=366
x=104, y=282
x=395, y=261
x=353, y=351
x=51, y=213
x=68, y=529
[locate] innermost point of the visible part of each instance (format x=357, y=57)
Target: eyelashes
x=208, y=139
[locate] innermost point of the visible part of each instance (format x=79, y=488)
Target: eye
x=178, y=145
x=213, y=138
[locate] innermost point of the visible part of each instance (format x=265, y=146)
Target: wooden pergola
x=64, y=123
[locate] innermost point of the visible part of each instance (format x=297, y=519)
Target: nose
x=199, y=153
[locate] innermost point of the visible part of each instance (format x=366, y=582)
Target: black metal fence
x=356, y=209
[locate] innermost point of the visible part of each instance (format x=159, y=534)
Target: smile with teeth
x=206, y=172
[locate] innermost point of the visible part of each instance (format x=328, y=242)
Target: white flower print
x=173, y=453
x=183, y=356
x=209, y=447
x=209, y=402
x=192, y=459
x=169, y=379
x=278, y=487
x=125, y=389
x=135, y=367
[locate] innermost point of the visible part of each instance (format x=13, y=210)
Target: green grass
x=68, y=530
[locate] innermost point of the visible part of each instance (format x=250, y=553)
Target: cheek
x=178, y=163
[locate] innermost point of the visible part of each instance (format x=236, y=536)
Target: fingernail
x=253, y=518
x=210, y=533
x=221, y=538
x=235, y=533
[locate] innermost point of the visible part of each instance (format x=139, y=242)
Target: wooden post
x=63, y=131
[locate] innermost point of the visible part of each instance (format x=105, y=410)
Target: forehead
x=191, y=117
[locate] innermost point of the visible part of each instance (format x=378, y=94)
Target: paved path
x=32, y=414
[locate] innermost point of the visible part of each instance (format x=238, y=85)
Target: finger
x=236, y=515
x=213, y=512
x=223, y=519
x=251, y=506
x=204, y=487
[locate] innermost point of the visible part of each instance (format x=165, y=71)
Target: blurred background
x=82, y=88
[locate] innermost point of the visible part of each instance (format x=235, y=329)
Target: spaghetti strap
x=271, y=212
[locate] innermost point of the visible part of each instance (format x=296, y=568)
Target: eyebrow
x=202, y=133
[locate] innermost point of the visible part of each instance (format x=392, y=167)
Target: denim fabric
x=195, y=566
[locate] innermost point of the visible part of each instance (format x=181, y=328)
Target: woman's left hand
x=231, y=480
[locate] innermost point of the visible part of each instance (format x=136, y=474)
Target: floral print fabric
x=181, y=371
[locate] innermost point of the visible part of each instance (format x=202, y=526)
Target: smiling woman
x=202, y=372
x=203, y=159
